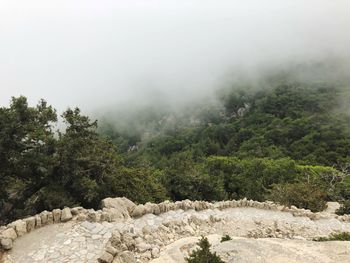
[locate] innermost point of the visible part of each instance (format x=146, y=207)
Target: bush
x=203, y=254
x=344, y=236
x=344, y=208
x=302, y=195
x=225, y=238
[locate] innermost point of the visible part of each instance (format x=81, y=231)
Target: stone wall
x=121, y=209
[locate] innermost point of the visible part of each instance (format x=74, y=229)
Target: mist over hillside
x=103, y=57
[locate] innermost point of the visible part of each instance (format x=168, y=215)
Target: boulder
x=111, y=250
x=9, y=233
x=143, y=247
x=92, y=216
x=77, y=210
x=115, y=239
x=30, y=221
x=66, y=214
x=105, y=258
x=56, y=215
x=138, y=211
x=128, y=241
x=118, y=208
x=20, y=226
x=37, y=221
x=43, y=217
x=6, y=243
x=49, y=218
x=127, y=257
x=155, y=252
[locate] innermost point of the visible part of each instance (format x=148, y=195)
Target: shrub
x=344, y=208
x=302, y=195
x=344, y=236
x=225, y=238
x=203, y=254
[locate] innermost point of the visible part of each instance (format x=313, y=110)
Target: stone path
x=77, y=241
x=65, y=242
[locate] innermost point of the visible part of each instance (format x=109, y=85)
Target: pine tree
x=203, y=254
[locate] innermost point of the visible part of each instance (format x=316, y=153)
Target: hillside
x=270, y=140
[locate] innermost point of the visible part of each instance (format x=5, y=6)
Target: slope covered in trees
x=255, y=142
x=288, y=142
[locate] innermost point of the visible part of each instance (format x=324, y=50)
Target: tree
x=203, y=254
x=27, y=148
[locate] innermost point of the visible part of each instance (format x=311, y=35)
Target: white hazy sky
x=94, y=53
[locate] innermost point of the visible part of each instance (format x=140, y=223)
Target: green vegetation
x=41, y=169
x=344, y=236
x=344, y=208
x=203, y=254
x=286, y=141
x=225, y=238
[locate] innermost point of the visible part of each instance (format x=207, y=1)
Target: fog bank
x=101, y=55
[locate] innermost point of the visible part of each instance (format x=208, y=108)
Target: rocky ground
x=262, y=250
x=165, y=236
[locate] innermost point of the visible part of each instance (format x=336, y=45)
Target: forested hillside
x=288, y=141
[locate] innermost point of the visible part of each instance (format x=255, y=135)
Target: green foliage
x=184, y=179
x=203, y=254
x=344, y=208
x=225, y=238
x=44, y=170
x=252, y=177
x=344, y=236
x=301, y=194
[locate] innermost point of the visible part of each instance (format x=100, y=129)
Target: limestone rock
x=138, y=211
x=9, y=233
x=43, y=216
x=111, y=250
x=77, y=210
x=127, y=257
x=143, y=247
x=92, y=216
x=20, y=226
x=118, y=203
x=56, y=215
x=6, y=243
x=66, y=214
x=30, y=221
x=105, y=258
x=49, y=218
x=155, y=252
x=128, y=240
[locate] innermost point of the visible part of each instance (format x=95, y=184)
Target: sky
x=107, y=53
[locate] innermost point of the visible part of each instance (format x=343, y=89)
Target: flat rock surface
x=263, y=250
